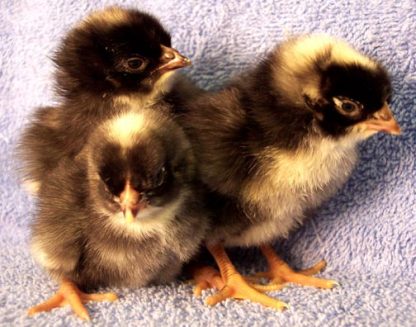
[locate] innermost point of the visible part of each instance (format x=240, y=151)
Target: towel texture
x=367, y=232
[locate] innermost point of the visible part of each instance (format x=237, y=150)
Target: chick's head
x=117, y=50
x=347, y=92
x=137, y=168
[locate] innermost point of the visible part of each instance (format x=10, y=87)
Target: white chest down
x=291, y=183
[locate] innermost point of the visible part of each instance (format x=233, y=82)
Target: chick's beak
x=383, y=121
x=130, y=203
x=171, y=59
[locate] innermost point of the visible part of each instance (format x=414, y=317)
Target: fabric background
x=366, y=233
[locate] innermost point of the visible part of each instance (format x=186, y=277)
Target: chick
x=125, y=213
x=277, y=142
x=113, y=56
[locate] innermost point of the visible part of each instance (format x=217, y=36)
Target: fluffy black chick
x=277, y=142
x=125, y=213
x=113, y=56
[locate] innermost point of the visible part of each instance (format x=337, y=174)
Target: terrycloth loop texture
x=367, y=232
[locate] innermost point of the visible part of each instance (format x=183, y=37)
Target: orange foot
x=230, y=283
x=208, y=277
x=69, y=294
x=279, y=272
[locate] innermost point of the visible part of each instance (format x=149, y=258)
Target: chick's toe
x=69, y=294
x=235, y=286
x=279, y=272
x=206, y=277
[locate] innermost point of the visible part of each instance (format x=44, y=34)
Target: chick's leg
x=279, y=272
x=69, y=294
x=234, y=285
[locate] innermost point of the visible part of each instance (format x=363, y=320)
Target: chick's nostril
x=134, y=211
x=385, y=116
x=169, y=55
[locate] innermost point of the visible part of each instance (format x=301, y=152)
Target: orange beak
x=130, y=203
x=383, y=121
x=171, y=59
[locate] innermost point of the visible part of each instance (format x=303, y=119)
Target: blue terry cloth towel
x=366, y=232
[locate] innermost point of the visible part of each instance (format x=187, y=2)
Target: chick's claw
x=69, y=294
x=280, y=272
x=237, y=288
x=206, y=277
x=315, y=269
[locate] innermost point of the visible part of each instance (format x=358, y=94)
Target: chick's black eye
x=160, y=177
x=113, y=185
x=136, y=64
x=159, y=183
x=348, y=107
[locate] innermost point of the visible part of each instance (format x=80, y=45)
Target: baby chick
x=279, y=141
x=114, y=56
x=126, y=212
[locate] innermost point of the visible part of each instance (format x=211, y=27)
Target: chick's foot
x=235, y=286
x=69, y=294
x=206, y=277
x=279, y=272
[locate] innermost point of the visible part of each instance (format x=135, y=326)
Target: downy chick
x=125, y=213
x=113, y=56
x=279, y=141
